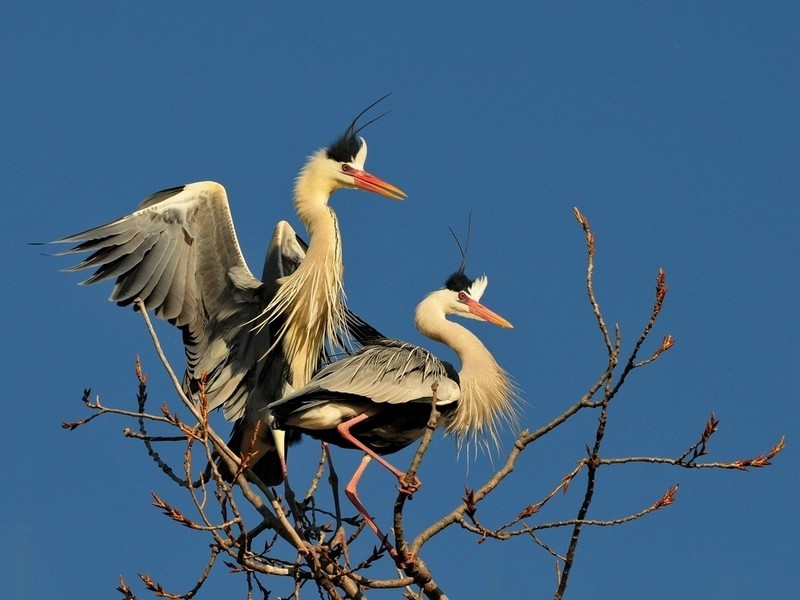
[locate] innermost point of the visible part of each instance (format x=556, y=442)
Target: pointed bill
x=367, y=181
x=480, y=311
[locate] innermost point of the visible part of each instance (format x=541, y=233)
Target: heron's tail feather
x=264, y=459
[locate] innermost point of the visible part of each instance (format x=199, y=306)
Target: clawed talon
x=408, y=488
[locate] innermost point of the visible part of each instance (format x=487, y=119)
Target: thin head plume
x=463, y=249
x=361, y=114
x=347, y=145
x=380, y=116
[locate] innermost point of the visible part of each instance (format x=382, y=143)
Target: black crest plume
x=347, y=146
x=458, y=281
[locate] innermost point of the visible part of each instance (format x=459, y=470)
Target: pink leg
x=351, y=491
x=344, y=430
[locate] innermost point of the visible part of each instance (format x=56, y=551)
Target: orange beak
x=480, y=311
x=369, y=182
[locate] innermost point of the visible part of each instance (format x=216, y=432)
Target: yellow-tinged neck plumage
x=312, y=190
x=488, y=396
x=311, y=300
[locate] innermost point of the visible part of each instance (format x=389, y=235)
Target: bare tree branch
x=305, y=544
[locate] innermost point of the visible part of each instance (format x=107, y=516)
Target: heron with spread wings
x=252, y=340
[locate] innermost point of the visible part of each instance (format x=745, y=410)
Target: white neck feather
x=487, y=394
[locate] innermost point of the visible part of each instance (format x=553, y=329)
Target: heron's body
x=392, y=389
x=387, y=384
x=378, y=400
x=251, y=340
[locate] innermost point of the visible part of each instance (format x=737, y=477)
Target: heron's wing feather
x=385, y=371
x=285, y=253
x=191, y=220
x=359, y=330
x=179, y=253
x=270, y=372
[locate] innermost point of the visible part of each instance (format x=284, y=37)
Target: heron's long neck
x=487, y=394
x=312, y=190
x=312, y=298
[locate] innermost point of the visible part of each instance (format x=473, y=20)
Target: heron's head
x=460, y=296
x=465, y=295
x=342, y=163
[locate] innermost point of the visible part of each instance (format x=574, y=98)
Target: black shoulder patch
x=451, y=372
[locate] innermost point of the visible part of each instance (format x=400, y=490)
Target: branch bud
x=122, y=588
x=581, y=219
x=151, y=585
x=140, y=374
x=777, y=447
x=469, y=501
x=667, y=499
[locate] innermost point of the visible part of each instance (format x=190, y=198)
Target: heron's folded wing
x=383, y=372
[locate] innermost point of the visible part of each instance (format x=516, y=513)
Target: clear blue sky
x=675, y=130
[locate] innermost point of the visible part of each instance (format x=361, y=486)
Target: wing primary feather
x=97, y=236
x=154, y=264
x=130, y=253
x=144, y=276
x=157, y=296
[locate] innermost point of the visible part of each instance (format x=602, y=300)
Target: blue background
x=673, y=128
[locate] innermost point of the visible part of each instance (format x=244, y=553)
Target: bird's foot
x=408, y=487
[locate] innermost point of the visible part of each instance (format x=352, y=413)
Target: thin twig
x=277, y=518
x=408, y=559
x=590, y=250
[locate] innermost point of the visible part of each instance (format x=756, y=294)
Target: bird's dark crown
x=458, y=282
x=345, y=148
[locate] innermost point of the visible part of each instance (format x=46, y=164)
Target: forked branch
x=315, y=549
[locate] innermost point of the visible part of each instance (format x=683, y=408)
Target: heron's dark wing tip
x=160, y=195
x=38, y=244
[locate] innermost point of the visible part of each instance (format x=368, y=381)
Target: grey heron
x=378, y=400
x=252, y=339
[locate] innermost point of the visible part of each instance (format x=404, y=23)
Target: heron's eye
x=345, y=167
x=462, y=296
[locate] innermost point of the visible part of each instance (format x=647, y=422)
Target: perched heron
x=253, y=340
x=378, y=400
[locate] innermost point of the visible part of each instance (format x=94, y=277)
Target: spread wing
x=179, y=253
